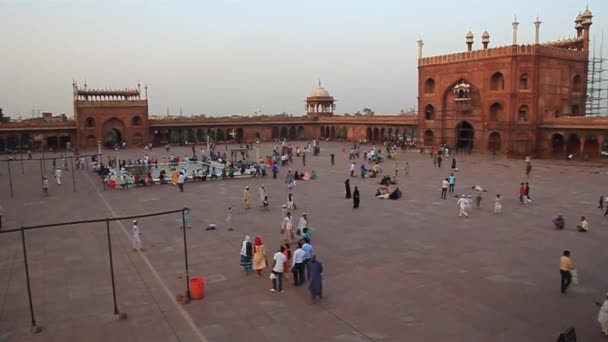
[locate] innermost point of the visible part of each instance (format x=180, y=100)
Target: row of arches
x=90, y=122
x=497, y=83
x=586, y=147
x=391, y=134
x=334, y=132
x=288, y=132
x=465, y=138
x=183, y=135
x=496, y=112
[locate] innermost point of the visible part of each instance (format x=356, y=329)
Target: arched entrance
x=574, y=145
x=300, y=132
x=292, y=132
x=591, y=149
x=322, y=132
x=112, y=132
x=428, y=138
x=376, y=134
x=557, y=144
x=369, y=134
x=239, y=134
x=465, y=136
x=333, y=132
x=494, y=142
x=283, y=133
x=275, y=133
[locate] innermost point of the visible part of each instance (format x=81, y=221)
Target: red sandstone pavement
x=407, y=270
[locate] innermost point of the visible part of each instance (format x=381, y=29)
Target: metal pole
x=186, y=251
x=41, y=176
x=10, y=178
x=27, y=276
x=73, y=177
x=43, y=160
x=111, y=265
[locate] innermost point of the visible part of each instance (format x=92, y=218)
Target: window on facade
x=429, y=112
x=523, y=113
x=496, y=112
x=136, y=121
x=577, y=84
x=89, y=122
x=523, y=82
x=429, y=86
x=575, y=110
x=497, y=82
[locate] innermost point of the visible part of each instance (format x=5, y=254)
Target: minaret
x=586, y=17
x=537, y=31
x=515, y=24
x=469, y=40
x=420, y=44
x=485, y=39
x=578, y=25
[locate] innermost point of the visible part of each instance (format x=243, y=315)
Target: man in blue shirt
x=307, y=247
x=452, y=181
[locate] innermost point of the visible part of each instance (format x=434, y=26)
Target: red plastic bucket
x=197, y=288
x=112, y=184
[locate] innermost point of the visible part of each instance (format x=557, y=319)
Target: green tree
x=2, y=117
x=368, y=112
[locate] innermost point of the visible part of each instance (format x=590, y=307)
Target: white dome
x=319, y=92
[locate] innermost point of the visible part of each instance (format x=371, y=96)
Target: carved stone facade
x=512, y=100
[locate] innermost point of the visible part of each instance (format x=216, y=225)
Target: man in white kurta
x=602, y=317
x=261, y=195
x=137, y=244
x=463, y=203
x=303, y=223
x=58, y=175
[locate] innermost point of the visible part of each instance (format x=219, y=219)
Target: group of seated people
x=559, y=223
x=384, y=192
x=387, y=180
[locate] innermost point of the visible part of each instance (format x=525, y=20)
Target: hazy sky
x=225, y=57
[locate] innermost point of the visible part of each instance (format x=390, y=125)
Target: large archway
x=275, y=133
x=284, y=133
x=465, y=136
x=239, y=134
x=428, y=138
x=591, y=149
x=112, y=132
x=557, y=144
x=292, y=132
x=574, y=145
x=300, y=132
x=494, y=142
x=376, y=134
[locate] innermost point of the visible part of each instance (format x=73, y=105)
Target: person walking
x=352, y=169
x=291, y=204
x=307, y=247
x=290, y=180
x=522, y=193
x=602, y=316
x=287, y=229
x=356, y=198
x=58, y=176
x=297, y=265
x=45, y=186
x=332, y=155
x=444, y=188
x=181, y=179
x=277, y=270
x=315, y=285
x=439, y=159
x=396, y=169
x=347, y=188
x=478, y=199
x=246, y=198
x=304, y=158
x=246, y=254
x=261, y=195
x=497, y=204
x=463, y=203
x=452, y=181
x=601, y=203
x=229, y=219
x=528, y=169
x=275, y=170
x=565, y=269
x=406, y=169
x=259, y=256
x=137, y=244
x=287, y=266
x=527, y=198
x=453, y=163
x=302, y=224
x=186, y=220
